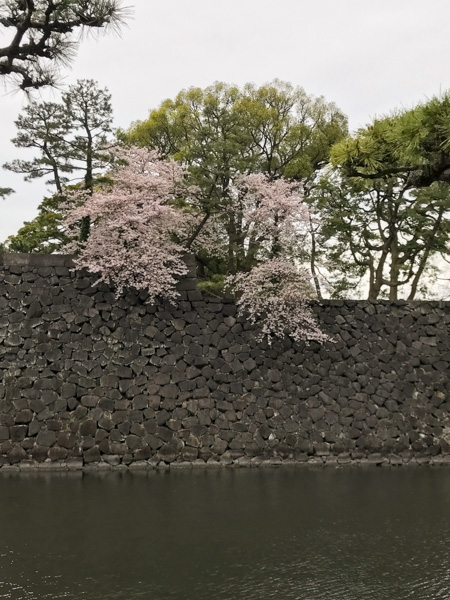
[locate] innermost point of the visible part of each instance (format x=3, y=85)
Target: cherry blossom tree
x=266, y=215
x=270, y=289
x=275, y=295
x=259, y=220
x=134, y=226
x=143, y=224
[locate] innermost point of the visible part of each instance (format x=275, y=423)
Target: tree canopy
x=413, y=143
x=73, y=143
x=389, y=209
x=245, y=181
x=44, y=234
x=380, y=231
x=134, y=222
x=275, y=129
x=146, y=220
x=45, y=35
x=223, y=132
x=72, y=137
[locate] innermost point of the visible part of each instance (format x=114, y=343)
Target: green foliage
x=213, y=287
x=44, y=234
x=5, y=192
x=223, y=131
x=70, y=137
x=275, y=129
x=381, y=230
x=393, y=200
x=412, y=143
x=44, y=34
x=43, y=127
x=73, y=142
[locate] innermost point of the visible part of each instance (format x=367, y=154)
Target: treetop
x=413, y=143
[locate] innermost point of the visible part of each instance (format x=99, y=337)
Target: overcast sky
x=367, y=57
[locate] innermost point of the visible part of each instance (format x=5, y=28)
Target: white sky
x=367, y=57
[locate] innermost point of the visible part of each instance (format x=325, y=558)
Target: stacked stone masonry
x=91, y=379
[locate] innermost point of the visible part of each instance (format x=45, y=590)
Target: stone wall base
x=344, y=460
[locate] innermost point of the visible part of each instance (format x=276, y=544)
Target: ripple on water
x=286, y=535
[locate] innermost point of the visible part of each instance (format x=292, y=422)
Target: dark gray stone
x=92, y=455
x=24, y=416
x=57, y=453
x=95, y=370
x=89, y=401
x=66, y=440
x=39, y=453
x=18, y=433
x=168, y=453
x=133, y=442
x=16, y=455
x=88, y=427
x=46, y=438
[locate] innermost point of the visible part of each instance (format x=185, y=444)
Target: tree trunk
x=394, y=272
x=425, y=256
x=231, y=230
x=85, y=228
x=313, y=259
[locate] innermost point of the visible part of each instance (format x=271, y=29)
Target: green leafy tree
x=45, y=35
x=221, y=132
x=381, y=231
x=274, y=129
x=414, y=144
x=44, y=234
x=43, y=126
x=404, y=160
x=72, y=139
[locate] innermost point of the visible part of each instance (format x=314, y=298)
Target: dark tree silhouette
x=46, y=33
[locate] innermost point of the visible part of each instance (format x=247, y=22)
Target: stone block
x=169, y=391
x=106, y=423
x=133, y=442
x=66, y=440
x=89, y=401
x=92, y=455
x=16, y=455
x=168, y=453
x=18, y=432
x=56, y=453
x=46, y=438
x=88, y=427
x=40, y=453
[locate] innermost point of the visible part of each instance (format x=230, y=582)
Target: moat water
x=300, y=534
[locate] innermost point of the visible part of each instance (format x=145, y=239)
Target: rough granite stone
x=99, y=380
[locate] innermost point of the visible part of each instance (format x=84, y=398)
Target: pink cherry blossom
x=133, y=226
x=275, y=295
x=271, y=211
x=139, y=235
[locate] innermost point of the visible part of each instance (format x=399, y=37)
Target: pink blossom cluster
x=274, y=295
x=141, y=224
x=262, y=210
x=133, y=226
x=270, y=208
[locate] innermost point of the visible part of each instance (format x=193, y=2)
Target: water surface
x=300, y=534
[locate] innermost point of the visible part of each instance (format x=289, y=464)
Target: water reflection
x=350, y=534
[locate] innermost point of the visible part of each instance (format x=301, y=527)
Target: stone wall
x=91, y=379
